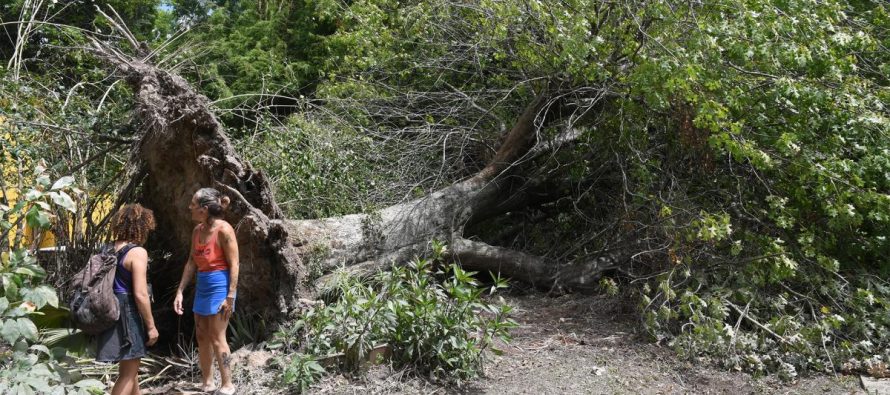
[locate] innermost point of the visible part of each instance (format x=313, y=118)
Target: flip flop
x=221, y=392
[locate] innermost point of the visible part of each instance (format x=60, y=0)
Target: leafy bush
x=247, y=328
x=26, y=364
x=775, y=240
x=431, y=315
x=299, y=371
x=316, y=169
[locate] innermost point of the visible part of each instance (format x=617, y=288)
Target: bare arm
x=188, y=273
x=138, y=258
x=230, y=248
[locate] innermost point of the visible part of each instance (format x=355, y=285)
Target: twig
x=92, y=158
x=759, y=325
x=737, y=324
x=833, y=368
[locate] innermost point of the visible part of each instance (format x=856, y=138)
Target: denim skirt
x=126, y=339
x=210, y=291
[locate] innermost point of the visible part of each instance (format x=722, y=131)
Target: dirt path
x=587, y=345
x=571, y=344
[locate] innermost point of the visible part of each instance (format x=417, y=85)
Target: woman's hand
x=225, y=309
x=152, y=336
x=177, y=303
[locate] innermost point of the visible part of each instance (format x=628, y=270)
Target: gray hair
x=210, y=198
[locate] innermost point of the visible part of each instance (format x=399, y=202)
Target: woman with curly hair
x=214, y=256
x=126, y=341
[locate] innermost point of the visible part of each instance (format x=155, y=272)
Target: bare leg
x=136, y=390
x=127, y=378
x=218, y=326
x=205, y=351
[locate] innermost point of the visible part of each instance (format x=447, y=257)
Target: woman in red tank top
x=213, y=261
x=208, y=256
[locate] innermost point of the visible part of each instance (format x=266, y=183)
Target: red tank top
x=209, y=256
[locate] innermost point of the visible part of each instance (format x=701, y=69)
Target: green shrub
x=299, y=371
x=431, y=315
x=27, y=364
x=316, y=169
x=247, y=328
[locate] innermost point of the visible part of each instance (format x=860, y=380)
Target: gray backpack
x=94, y=307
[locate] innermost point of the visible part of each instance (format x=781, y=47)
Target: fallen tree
x=746, y=161
x=183, y=146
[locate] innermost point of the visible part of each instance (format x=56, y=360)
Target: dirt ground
x=571, y=344
x=575, y=344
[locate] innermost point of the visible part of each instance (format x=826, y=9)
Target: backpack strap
x=107, y=268
x=98, y=276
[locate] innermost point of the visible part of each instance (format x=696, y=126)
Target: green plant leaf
x=28, y=329
x=13, y=330
x=37, y=218
x=63, y=182
x=39, y=384
x=43, y=180
x=41, y=296
x=90, y=384
x=40, y=348
x=33, y=195
x=30, y=271
x=63, y=200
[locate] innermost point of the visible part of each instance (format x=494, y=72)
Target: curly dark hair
x=132, y=223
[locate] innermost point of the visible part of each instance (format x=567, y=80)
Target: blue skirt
x=211, y=290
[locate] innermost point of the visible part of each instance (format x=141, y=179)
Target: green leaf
x=63, y=200
x=63, y=182
x=33, y=195
x=41, y=296
x=21, y=346
x=9, y=331
x=59, y=352
x=18, y=257
x=37, y=218
x=10, y=288
x=20, y=205
x=43, y=180
x=30, y=271
x=51, y=317
x=39, y=384
x=90, y=383
x=41, y=348
x=28, y=329
x=4, y=304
